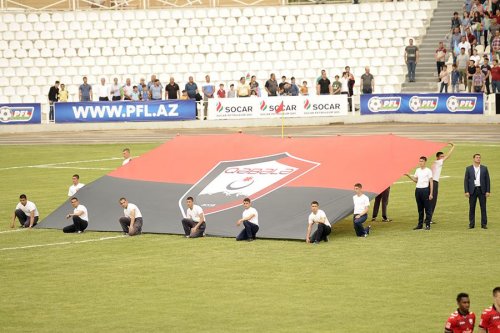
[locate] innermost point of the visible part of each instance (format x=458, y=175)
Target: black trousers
x=423, y=204
x=249, y=231
x=51, y=111
x=188, y=224
x=25, y=220
x=439, y=65
x=384, y=198
x=435, y=192
x=103, y=99
x=125, y=223
x=116, y=98
x=477, y=194
x=321, y=234
x=78, y=225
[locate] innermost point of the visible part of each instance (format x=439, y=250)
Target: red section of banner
x=375, y=161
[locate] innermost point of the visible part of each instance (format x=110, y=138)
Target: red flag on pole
x=280, y=108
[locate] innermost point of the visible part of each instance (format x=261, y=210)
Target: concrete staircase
x=426, y=72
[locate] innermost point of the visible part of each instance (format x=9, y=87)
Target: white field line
x=411, y=181
x=60, y=243
x=16, y=230
x=56, y=165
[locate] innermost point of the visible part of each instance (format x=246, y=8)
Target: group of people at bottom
x=194, y=223
x=463, y=320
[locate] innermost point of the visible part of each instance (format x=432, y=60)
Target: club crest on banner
x=229, y=182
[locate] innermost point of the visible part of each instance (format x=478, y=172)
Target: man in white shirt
x=423, y=193
x=436, y=168
x=250, y=220
x=76, y=185
x=127, y=90
x=361, y=206
x=194, y=223
x=132, y=221
x=318, y=217
x=26, y=212
x=104, y=91
x=126, y=156
x=79, y=216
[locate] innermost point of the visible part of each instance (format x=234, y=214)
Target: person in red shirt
x=461, y=321
x=221, y=93
x=490, y=318
x=495, y=77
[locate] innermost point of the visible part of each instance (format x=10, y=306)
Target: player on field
x=490, y=318
x=461, y=321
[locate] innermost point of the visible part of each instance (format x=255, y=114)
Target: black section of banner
x=282, y=214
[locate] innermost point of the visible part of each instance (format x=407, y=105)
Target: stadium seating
x=227, y=43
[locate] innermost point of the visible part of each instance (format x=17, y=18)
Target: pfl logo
x=419, y=103
x=384, y=104
x=456, y=103
x=10, y=114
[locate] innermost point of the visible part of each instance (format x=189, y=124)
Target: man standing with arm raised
x=436, y=168
x=423, y=193
x=477, y=186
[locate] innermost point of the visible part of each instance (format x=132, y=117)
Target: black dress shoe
x=471, y=227
x=417, y=228
x=484, y=227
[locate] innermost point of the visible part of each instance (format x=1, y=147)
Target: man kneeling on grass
x=80, y=218
x=194, y=222
x=250, y=220
x=318, y=217
x=26, y=212
x=132, y=221
x=361, y=206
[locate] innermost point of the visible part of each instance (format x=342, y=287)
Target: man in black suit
x=477, y=186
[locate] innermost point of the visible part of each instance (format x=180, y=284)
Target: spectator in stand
x=208, y=92
x=471, y=38
x=191, y=88
x=63, y=94
x=172, y=90
x=462, y=61
x=116, y=91
x=367, y=85
x=495, y=44
x=142, y=81
x=323, y=86
x=85, y=91
x=287, y=90
x=477, y=27
x=411, y=60
x=103, y=91
x=221, y=93
x=495, y=4
x=271, y=86
x=152, y=82
x=475, y=57
x=144, y=93
x=282, y=84
x=253, y=93
x=254, y=85
x=243, y=88
x=477, y=8
x=464, y=43
x=350, y=85
x=445, y=79
x=455, y=21
x=467, y=5
x=478, y=80
x=440, y=57
x=495, y=77
x=231, y=93
x=486, y=27
x=486, y=69
x=127, y=90
x=136, y=94
x=455, y=79
x=455, y=39
x=465, y=22
x=294, y=89
x=336, y=86
x=471, y=70
x=53, y=97
x=304, y=91
x=184, y=95
x=344, y=89
x=156, y=91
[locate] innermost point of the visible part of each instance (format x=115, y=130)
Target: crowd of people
x=478, y=25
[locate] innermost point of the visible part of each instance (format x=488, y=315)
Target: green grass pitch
x=396, y=280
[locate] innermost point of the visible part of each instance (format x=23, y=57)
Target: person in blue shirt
x=208, y=92
x=191, y=88
x=156, y=91
x=294, y=89
x=85, y=91
x=145, y=93
x=455, y=79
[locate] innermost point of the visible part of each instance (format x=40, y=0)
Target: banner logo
x=384, y=104
x=219, y=107
x=16, y=113
x=459, y=103
x=307, y=105
x=229, y=182
x=263, y=106
x=423, y=103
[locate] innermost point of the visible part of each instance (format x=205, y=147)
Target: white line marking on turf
x=48, y=165
x=60, y=243
x=411, y=181
x=16, y=230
